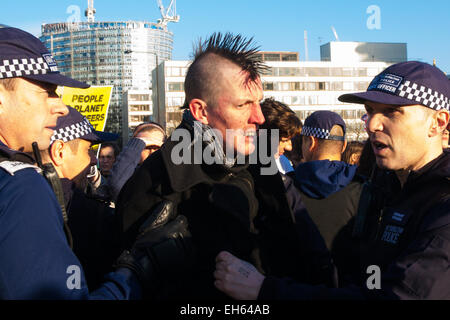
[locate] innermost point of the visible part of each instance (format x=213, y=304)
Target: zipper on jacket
x=380, y=219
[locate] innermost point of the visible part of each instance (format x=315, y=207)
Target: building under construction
x=118, y=53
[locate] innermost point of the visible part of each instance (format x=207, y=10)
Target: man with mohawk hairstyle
x=229, y=205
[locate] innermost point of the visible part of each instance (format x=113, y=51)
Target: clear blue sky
x=276, y=25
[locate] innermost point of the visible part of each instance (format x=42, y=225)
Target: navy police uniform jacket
x=405, y=233
x=36, y=261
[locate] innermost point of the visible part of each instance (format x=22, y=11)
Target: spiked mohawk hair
x=234, y=48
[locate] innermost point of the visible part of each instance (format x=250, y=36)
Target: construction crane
x=169, y=14
x=90, y=11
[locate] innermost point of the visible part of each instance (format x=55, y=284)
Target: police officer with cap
x=404, y=231
x=36, y=259
x=90, y=221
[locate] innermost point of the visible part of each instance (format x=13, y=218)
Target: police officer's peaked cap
x=320, y=123
x=407, y=83
x=24, y=55
x=76, y=126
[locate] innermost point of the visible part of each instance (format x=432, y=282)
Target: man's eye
x=245, y=104
x=51, y=92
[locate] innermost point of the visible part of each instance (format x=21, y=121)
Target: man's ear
x=3, y=93
x=198, y=110
x=440, y=123
x=312, y=142
x=57, y=153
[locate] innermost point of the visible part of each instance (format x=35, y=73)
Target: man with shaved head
x=197, y=173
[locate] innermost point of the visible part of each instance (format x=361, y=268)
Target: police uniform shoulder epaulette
x=13, y=166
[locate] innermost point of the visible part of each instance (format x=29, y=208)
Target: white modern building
x=139, y=108
x=344, y=51
x=169, y=94
x=310, y=86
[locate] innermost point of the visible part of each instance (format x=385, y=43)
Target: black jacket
x=235, y=209
x=95, y=232
x=334, y=217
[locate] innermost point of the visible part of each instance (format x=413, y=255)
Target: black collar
x=439, y=167
x=184, y=176
x=15, y=155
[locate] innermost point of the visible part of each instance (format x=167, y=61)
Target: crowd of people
x=182, y=217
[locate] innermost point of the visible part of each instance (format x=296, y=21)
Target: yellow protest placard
x=93, y=103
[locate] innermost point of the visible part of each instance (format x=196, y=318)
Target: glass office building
x=122, y=54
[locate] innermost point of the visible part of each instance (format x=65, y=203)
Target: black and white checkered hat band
x=73, y=131
x=423, y=95
x=315, y=132
x=24, y=67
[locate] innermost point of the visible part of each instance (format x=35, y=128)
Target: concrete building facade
x=139, y=108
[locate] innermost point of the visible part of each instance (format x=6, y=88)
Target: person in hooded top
x=323, y=173
x=323, y=180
